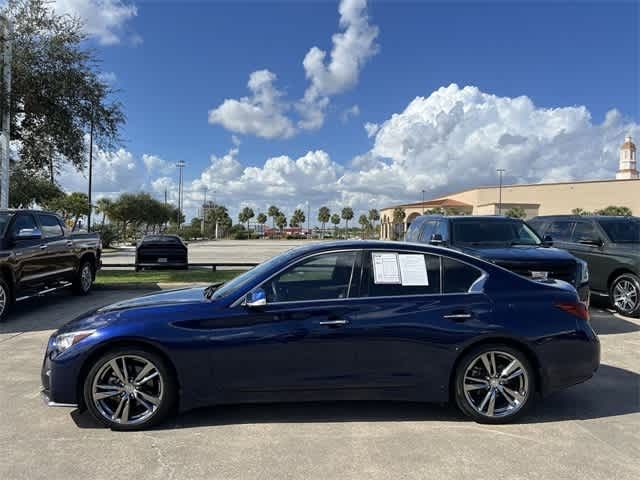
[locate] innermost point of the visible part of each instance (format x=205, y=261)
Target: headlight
x=584, y=271
x=66, y=340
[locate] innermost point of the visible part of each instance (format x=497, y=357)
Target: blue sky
x=174, y=62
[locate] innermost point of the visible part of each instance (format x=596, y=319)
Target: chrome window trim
x=476, y=288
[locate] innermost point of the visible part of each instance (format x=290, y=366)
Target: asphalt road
x=218, y=251
x=591, y=431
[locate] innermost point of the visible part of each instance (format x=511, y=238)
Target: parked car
x=508, y=242
x=161, y=251
x=611, y=247
x=327, y=321
x=38, y=255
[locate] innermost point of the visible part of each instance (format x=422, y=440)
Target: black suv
x=611, y=247
x=508, y=242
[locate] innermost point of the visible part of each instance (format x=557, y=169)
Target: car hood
x=518, y=253
x=116, y=311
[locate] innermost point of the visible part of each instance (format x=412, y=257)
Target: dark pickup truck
x=611, y=247
x=507, y=242
x=38, y=255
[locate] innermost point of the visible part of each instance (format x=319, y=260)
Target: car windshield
x=250, y=276
x=4, y=220
x=622, y=230
x=489, y=232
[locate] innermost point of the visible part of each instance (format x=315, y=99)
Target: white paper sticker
x=385, y=268
x=413, y=270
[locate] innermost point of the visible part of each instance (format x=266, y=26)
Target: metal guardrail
x=212, y=265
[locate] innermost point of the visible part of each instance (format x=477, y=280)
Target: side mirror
x=28, y=234
x=256, y=298
x=547, y=241
x=436, y=239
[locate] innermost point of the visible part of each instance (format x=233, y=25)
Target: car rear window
x=622, y=230
x=161, y=239
x=458, y=277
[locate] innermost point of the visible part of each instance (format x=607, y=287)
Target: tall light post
x=204, y=207
x=308, y=219
x=91, y=128
x=7, y=34
x=500, y=172
x=423, y=202
x=180, y=166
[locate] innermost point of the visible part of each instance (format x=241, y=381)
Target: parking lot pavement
x=591, y=431
x=219, y=251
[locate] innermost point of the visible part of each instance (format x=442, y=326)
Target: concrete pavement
x=591, y=431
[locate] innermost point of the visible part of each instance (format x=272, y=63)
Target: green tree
x=374, y=216
x=56, y=90
x=245, y=215
x=324, y=215
x=298, y=218
x=615, y=210
x=273, y=212
x=262, y=219
x=217, y=215
x=27, y=188
x=70, y=207
x=516, y=212
x=347, y=214
x=281, y=221
x=365, y=225
x=103, y=207
x=335, y=219
x=398, y=217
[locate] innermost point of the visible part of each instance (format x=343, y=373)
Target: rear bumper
x=161, y=264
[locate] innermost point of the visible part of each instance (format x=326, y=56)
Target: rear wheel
x=84, y=278
x=129, y=389
x=494, y=384
x=625, y=294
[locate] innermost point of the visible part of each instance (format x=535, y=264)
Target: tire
x=129, y=405
x=624, y=295
x=5, y=300
x=512, y=392
x=83, y=280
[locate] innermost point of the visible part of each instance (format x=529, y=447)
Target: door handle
x=333, y=323
x=458, y=317
x=42, y=247
x=69, y=243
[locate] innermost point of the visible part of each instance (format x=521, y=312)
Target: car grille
x=565, y=271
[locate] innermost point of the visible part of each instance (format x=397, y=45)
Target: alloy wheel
x=86, y=277
x=3, y=300
x=496, y=384
x=625, y=295
x=127, y=390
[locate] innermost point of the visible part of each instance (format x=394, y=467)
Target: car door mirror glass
x=436, y=239
x=547, y=240
x=256, y=298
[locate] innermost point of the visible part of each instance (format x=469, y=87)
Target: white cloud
x=265, y=112
x=261, y=114
x=350, y=112
x=156, y=165
x=371, y=129
x=106, y=20
x=110, y=78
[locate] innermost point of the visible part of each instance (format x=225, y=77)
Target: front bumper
x=44, y=395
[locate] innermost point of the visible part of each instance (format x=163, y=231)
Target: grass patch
x=106, y=277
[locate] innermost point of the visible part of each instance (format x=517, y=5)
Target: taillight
x=578, y=309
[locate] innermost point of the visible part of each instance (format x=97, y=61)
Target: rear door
x=408, y=327
x=588, y=244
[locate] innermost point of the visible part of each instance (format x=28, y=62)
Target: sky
x=360, y=103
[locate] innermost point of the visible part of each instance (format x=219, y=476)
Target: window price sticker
x=385, y=268
x=413, y=270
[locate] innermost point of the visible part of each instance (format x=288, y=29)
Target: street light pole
x=180, y=166
x=308, y=219
x=90, y=165
x=204, y=207
x=500, y=172
x=7, y=34
x=423, y=202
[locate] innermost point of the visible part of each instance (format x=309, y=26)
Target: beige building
x=534, y=199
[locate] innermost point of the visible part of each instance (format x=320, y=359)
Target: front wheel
x=129, y=389
x=625, y=294
x=494, y=384
x=5, y=300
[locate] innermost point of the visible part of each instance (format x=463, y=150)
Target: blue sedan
x=345, y=320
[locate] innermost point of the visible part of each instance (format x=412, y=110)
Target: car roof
x=587, y=217
x=466, y=217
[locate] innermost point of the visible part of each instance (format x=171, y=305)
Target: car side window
x=584, y=231
x=458, y=277
x=23, y=222
x=50, y=226
x=561, y=230
x=441, y=229
x=326, y=276
x=427, y=230
x=370, y=288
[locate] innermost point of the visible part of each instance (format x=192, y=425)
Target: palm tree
x=273, y=212
x=297, y=218
x=374, y=216
x=245, y=215
x=398, y=218
x=281, y=221
x=335, y=219
x=324, y=215
x=261, y=219
x=104, y=206
x=347, y=214
x=364, y=224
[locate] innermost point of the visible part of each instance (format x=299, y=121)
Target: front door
x=29, y=254
x=302, y=339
